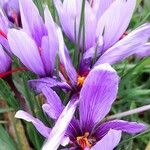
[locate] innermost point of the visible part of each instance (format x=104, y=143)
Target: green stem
x=27, y=94
x=136, y=136
x=77, y=52
x=128, y=113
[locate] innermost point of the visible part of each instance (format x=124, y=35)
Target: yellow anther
x=83, y=141
x=80, y=80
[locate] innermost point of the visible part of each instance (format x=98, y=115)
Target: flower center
x=84, y=142
x=80, y=80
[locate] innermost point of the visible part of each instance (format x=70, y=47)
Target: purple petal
x=109, y=141
x=32, y=23
x=74, y=129
x=97, y=95
x=4, y=22
x=5, y=61
x=11, y=7
x=38, y=84
x=100, y=6
x=115, y=21
x=58, y=132
x=143, y=51
x=42, y=129
x=127, y=46
x=71, y=7
x=125, y=126
x=65, y=59
x=45, y=55
x=69, y=15
x=4, y=25
x=53, y=106
x=59, y=6
x=5, y=44
x=90, y=26
x=50, y=43
x=26, y=50
x=95, y=51
x=67, y=12
x=91, y=52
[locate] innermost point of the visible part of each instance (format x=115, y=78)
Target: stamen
x=80, y=80
x=63, y=71
x=83, y=141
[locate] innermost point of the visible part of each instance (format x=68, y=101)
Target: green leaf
x=134, y=71
x=39, y=6
x=7, y=94
x=6, y=142
x=3, y=110
x=34, y=137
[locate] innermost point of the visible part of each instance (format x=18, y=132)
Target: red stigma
x=15, y=17
x=3, y=34
x=80, y=80
x=63, y=71
x=83, y=141
x=124, y=35
x=2, y=75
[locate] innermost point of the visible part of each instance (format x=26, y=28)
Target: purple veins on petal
x=88, y=132
x=58, y=132
x=125, y=126
x=40, y=40
x=50, y=43
x=103, y=81
x=115, y=20
x=21, y=45
x=127, y=46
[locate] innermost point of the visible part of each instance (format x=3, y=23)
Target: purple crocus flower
x=36, y=44
x=105, y=23
x=42, y=62
x=88, y=130
x=111, y=16
x=5, y=61
x=127, y=46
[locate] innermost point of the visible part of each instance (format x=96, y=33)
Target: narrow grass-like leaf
x=6, y=142
x=39, y=6
x=3, y=110
x=7, y=94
